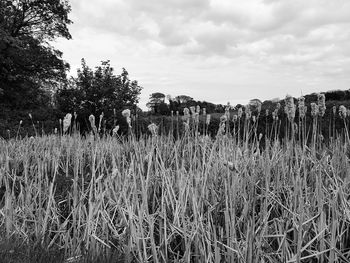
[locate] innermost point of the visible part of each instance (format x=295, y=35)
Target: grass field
x=232, y=198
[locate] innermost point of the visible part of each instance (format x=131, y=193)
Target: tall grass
x=193, y=199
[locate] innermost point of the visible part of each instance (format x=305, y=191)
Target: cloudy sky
x=216, y=50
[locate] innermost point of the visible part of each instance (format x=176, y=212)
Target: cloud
x=180, y=44
x=171, y=34
x=217, y=27
x=168, y=6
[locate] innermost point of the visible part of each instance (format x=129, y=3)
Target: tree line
x=161, y=104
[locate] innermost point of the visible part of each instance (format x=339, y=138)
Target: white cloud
x=188, y=46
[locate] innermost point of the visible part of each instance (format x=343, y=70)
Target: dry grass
x=189, y=200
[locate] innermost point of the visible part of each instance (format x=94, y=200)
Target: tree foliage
x=29, y=65
x=157, y=103
x=97, y=91
x=183, y=99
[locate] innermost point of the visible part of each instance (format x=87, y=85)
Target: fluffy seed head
x=100, y=122
x=186, y=112
x=186, y=116
x=314, y=109
x=275, y=115
x=342, y=111
x=92, y=120
x=196, y=117
x=248, y=112
x=115, y=130
x=153, y=128
x=193, y=110
x=321, y=99
x=67, y=121
x=301, y=107
x=126, y=113
x=208, y=119
x=128, y=121
x=240, y=112
x=221, y=128
x=92, y=123
x=290, y=107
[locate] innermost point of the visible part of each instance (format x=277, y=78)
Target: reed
x=191, y=199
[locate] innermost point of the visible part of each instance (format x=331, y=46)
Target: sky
x=216, y=50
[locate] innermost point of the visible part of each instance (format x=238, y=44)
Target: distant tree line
x=160, y=104
x=329, y=124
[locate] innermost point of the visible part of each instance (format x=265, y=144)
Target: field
x=236, y=197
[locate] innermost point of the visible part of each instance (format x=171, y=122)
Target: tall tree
x=157, y=103
x=29, y=65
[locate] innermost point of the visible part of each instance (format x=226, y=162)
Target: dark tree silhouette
x=97, y=91
x=29, y=66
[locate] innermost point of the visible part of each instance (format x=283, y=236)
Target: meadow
x=237, y=196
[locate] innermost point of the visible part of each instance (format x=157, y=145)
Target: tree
x=255, y=104
x=97, y=91
x=174, y=105
x=29, y=65
x=183, y=99
x=157, y=103
x=210, y=107
x=157, y=97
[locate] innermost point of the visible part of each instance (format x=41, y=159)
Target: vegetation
x=33, y=76
x=98, y=92
x=158, y=105
x=30, y=68
x=190, y=181
x=193, y=199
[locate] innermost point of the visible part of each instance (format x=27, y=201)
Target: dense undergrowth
x=241, y=197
